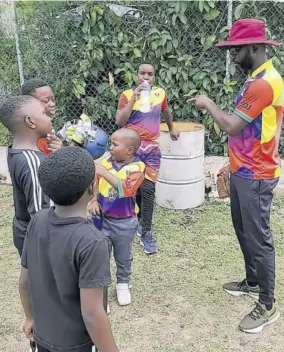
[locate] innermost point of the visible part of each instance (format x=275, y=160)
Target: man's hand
x=54, y=143
x=174, y=133
x=137, y=91
x=100, y=170
x=201, y=101
x=28, y=328
x=94, y=207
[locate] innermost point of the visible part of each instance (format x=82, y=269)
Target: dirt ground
x=178, y=302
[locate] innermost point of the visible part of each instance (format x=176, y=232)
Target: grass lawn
x=178, y=302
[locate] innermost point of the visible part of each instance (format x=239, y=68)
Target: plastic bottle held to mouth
x=145, y=101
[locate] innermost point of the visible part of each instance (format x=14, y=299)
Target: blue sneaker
x=149, y=245
x=139, y=230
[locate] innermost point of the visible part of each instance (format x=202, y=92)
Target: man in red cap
x=254, y=129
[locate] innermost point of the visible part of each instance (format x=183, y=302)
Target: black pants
x=145, y=199
x=250, y=208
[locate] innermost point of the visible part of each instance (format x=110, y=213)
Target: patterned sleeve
x=257, y=96
x=123, y=101
x=165, y=103
x=129, y=187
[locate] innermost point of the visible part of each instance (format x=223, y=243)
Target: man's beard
x=246, y=63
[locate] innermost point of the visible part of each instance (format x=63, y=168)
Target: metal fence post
x=18, y=51
x=229, y=24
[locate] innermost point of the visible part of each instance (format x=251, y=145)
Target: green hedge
x=89, y=52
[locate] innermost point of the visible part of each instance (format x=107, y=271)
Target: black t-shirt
x=28, y=196
x=63, y=255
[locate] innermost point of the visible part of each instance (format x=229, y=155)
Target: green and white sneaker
x=258, y=318
x=241, y=288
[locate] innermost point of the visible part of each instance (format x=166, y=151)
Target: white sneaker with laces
x=123, y=294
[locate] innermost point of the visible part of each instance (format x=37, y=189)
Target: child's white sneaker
x=123, y=294
x=108, y=309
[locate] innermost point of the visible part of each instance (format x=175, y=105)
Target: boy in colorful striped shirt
x=147, y=124
x=120, y=176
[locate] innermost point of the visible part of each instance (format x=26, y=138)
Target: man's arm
x=96, y=320
x=257, y=96
x=168, y=117
x=125, y=107
x=230, y=123
x=124, y=110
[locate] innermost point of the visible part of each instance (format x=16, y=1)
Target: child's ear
x=30, y=122
x=130, y=150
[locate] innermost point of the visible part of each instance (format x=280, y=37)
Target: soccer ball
x=84, y=133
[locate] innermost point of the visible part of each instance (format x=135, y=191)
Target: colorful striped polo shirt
x=146, y=124
x=254, y=152
x=120, y=203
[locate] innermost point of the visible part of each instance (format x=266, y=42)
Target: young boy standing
x=40, y=90
x=26, y=118
x=65, y=262
x=148, y=126
x=119, y=178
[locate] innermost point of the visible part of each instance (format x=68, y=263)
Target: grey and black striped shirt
x=27, y=193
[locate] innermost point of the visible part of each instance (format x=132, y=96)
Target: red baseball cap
x=247, y=31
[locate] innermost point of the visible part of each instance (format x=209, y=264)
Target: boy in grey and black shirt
x=65, y=262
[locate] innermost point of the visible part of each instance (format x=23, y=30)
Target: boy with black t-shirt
x=26, y=118
x=65, y=262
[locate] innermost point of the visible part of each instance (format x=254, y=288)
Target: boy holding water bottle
x=140, y=108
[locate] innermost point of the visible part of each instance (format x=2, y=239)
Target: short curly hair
x=11, y=110
x=65, y=175
x=29, y=86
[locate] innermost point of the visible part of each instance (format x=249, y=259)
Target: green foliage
x=50, y=41
x=90, y=51
x=178, y=37
x=9, y=74
x=5, y=136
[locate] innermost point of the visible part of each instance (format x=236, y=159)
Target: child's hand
x=94, y=207
x=53, y=143
x=137, y=91
x=28, y=328
x=100, y=170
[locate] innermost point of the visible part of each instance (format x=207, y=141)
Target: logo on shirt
x=112, y=194
x=245, y=105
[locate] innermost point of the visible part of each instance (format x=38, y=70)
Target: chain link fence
x=89, y=53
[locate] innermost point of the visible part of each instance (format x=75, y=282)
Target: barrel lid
x=183, y=126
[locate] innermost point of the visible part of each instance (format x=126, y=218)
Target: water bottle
x=145, y=101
